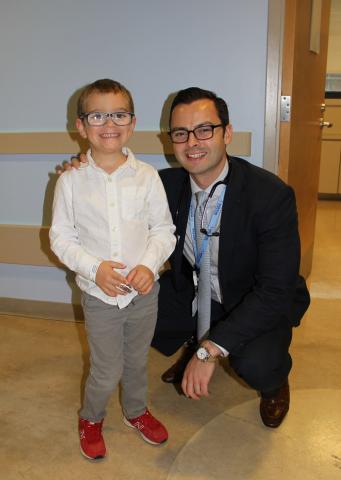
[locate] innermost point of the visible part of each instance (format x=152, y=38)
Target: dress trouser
x=263, y=363
x=119, y=341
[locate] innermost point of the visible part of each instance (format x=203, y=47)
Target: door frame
x=276, y=20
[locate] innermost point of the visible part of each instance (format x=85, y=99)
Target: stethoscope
x=210, y=195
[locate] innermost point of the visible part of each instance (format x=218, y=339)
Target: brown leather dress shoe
x=273, y=409
x=175, y=373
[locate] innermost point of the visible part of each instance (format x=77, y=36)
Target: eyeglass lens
x=203, y=132
x=100, y=118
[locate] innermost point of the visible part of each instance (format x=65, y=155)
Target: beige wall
x=334, y=46
x=142, y=142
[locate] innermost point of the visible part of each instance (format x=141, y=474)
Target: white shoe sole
x=91, y=458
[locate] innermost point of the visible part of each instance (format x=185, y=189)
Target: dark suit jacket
x=259, y=256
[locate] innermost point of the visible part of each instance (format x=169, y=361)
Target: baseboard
x=39, y=309
x=329, y=196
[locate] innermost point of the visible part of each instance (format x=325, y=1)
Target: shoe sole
x=91, y=458
x=174, y=381
x=275, y=424
x=126, y=422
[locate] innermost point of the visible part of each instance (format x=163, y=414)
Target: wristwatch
x=204, y=355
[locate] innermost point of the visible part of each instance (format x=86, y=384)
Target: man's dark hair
x=105, y=85
x=191, y=94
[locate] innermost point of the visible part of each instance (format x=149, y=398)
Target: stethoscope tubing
x=214, y=187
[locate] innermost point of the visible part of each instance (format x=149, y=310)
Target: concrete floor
x=42, y=366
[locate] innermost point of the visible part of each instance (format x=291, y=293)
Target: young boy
x=112, y=226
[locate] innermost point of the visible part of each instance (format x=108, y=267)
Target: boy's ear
x=131, y=127
x=81, y=129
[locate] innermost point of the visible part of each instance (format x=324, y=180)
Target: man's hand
x=198, y=374
x=196, y=378
x=141, y=278
x=74, y=163
x=111, y=282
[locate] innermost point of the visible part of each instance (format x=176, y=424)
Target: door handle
x=324, y=124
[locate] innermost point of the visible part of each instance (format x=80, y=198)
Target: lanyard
x=198, y=254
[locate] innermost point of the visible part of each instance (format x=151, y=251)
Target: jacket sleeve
x=267, y=304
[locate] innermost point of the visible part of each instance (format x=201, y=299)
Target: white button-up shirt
x=122, y=216
x=214, y=241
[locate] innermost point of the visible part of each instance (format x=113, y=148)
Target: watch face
x=202, y=353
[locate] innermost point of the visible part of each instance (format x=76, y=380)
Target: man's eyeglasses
x=98, y=119
x=203, y=132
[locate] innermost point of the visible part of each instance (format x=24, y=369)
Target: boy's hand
x=141, y=278
x=75, y=163
x=111, y=282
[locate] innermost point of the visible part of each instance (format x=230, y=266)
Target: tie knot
x=201, y=197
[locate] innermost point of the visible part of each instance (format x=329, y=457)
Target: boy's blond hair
x=105, y=85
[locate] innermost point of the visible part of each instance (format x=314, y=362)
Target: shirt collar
x=130, y=163
x=195, y=188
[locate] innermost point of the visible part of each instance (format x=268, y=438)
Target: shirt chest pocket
x=133, y=203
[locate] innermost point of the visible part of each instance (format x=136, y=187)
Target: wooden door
x=303, y=79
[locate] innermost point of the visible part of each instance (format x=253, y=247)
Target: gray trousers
x=119, y=342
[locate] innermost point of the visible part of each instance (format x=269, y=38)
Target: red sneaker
x=150, y=429
x=91, y=439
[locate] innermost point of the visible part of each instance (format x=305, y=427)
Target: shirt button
x=112, y=204
x=109, y=180
x=113, y=229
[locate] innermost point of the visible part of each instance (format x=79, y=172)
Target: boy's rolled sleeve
x=63, y=235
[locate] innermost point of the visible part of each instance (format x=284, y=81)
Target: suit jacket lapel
x=230, y=217
x=182, y=217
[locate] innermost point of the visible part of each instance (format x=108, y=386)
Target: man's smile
x=195, y=155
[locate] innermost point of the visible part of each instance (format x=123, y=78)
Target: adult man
x=246, y=230
x=255, y=290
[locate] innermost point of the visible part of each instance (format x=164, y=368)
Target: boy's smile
x=106, y=141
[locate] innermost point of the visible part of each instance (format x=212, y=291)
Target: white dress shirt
x=122, y=216
x=214, y=241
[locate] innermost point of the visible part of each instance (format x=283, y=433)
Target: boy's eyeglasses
x=98, y=119
x=203, y=132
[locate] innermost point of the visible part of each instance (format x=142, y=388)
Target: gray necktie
x=204, y=283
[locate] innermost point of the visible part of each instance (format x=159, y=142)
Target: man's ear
x=80, y=127
x=228, y=134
